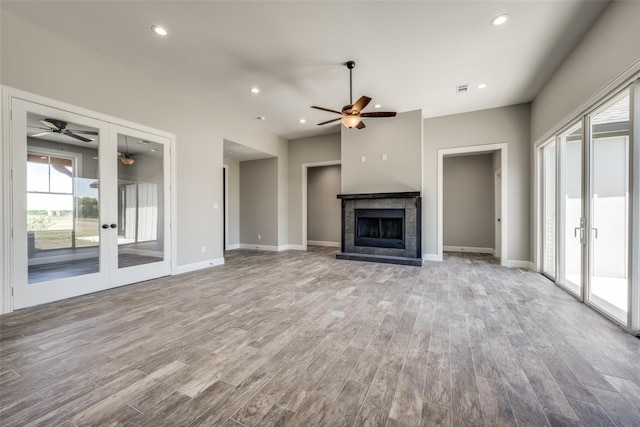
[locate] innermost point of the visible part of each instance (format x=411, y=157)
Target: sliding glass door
x=608, y=236
x=571, y=219
x=586, y=243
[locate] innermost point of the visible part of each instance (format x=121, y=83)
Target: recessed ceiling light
x=159, y=30
x=482, y=85
x=303, y=120
x=231, y=152
x=377, y=106
x=261, y=118
x=153, y=149
x=499, y=20
x=255, y=90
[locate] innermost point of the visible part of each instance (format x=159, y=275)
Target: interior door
x=59, y=159
x=140, y=245
x=90, y=204
x=609, y=220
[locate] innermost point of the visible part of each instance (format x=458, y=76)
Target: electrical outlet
x=363, y=159
x=259, y=237
x=384, y=156
x=204, y=249
x=215, y=206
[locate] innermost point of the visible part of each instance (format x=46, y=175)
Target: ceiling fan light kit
x=352, y=113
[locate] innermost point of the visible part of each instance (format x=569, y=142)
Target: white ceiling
x=409, y=55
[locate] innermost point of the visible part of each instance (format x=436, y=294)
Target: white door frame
x=502, y=147
x=497, y=212
x=226, y=206
x=306, y=166
x=6, y=217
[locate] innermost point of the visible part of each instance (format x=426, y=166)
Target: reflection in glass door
x=609, y=208
x=142, y=194
x=571, y=220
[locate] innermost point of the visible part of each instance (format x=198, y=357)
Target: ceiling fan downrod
x=350, y=65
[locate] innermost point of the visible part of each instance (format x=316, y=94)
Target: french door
x=586, y=243
x=89, y=204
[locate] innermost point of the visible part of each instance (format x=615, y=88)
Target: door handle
x=114, y=225
x=596, y=232
x=105, y=226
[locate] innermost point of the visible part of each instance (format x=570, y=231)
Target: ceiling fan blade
x=41, y=134
x=326, y=109
x=49, y=125
x=329, y=121
x=73, y=135
x=379, y=114
x=360, y=104
x=86, y=132
x=360, y=125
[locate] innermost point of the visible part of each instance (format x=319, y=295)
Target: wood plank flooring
x=302, y=339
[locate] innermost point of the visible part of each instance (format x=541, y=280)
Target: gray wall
x=233, y=199
x=324, y=209
x=400, y=138
x=259, y=202
x=468, y=201
x=306, y=150
x=505, y=124
x=608, y=49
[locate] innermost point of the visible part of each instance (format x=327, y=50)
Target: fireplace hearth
x=382, y=227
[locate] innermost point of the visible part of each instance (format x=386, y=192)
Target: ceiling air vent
x=462, y=89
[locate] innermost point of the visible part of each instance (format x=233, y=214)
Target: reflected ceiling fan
x=352, y=113
x=60, y=126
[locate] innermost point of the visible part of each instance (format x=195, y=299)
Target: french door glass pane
x=140, y=201
x=549, y=209
x=63, y=232
x=571, y=222
x=610, y=207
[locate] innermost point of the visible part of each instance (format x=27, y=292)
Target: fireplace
x=382, y=227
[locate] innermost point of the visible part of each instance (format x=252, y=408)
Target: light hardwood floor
x=302, y=339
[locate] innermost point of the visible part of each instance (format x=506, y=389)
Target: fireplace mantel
x=408, y=249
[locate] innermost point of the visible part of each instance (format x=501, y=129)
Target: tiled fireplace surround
x=410, y=202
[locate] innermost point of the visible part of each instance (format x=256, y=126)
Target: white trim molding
x=502, y=147
x=306, y=166
x=514, y=263
x=233, y=247
x=469, y=249
x=323, y=243
x=261, y=247
x=432, y=257
x=187, y=268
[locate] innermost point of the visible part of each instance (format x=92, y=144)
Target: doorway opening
x=320, y=206
x=494, y=235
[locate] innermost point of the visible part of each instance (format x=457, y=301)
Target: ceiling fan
x=60, y=126
x=352, y=113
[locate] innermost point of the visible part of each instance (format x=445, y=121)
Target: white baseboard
x=471, y=249
x=260, y=247
x=324, y=243
x=294, y=247
x=514, y=263
x=199, y=265
x=233, y=247
x=431, y=257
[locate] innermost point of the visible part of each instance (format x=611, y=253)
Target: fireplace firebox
x=380, y=228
